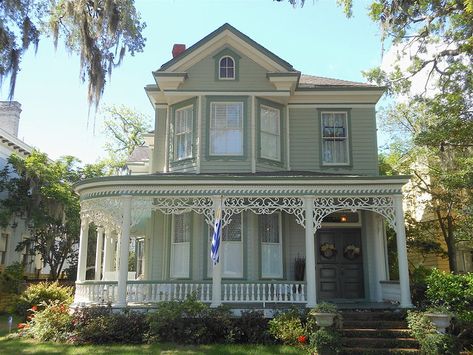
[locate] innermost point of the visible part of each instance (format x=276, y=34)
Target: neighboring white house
x=16, y=230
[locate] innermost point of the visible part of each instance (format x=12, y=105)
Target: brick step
x=380, y=343
x=374, y=324
x=373, y=315
x=375, y=333
x=366, y=351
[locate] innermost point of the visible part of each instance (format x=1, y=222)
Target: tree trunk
x=449, y=237
x=451, y=246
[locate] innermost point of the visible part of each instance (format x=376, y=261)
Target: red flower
x=302, y=339
x=34, y=308
x=21, y=325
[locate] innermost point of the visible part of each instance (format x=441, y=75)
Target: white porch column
x=83, y=241
x=117, y=252
x=310, y=252
x=98, y=253
x=379, y=255
x=402, y=253
x=124, y=245
x=217, y=269
x=107, y=252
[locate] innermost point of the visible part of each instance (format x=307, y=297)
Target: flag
x=216, y=236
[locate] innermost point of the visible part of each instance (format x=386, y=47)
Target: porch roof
x=284, y=183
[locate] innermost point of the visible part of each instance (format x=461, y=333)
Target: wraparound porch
x=118, y=206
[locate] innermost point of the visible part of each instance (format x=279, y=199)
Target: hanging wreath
x=328, y=250
x=351, y=252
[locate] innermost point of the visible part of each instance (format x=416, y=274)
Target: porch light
x=343, y=218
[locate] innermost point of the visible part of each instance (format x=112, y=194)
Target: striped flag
x=216, y=236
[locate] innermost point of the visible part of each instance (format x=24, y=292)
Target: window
x=270, y=119
x=226, y=68
x=3, y=247
x=226, y=128
x=139, y=252
x=231, y=249
x=334, y=138
x=271, y=246
x=183, y=133
x=180, y=245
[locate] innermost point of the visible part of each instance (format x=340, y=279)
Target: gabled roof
x=14, y=144
x=227, y=27
x=313, y=82
x=140, y=154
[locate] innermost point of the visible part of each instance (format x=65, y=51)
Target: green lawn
x=24, y=346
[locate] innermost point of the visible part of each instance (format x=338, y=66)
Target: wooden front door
x=339, y=264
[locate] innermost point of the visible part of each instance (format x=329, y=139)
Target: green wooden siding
x=304, y=137
x=305, y=141
x=251, y=76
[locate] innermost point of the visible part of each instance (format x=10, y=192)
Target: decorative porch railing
x=147, y=292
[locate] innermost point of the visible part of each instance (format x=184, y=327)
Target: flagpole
x=217, y=266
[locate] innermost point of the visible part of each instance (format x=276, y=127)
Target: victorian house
x=290, y=159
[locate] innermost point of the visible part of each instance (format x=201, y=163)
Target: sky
x=317, y=39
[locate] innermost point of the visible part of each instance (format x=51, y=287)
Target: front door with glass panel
x=339, y=264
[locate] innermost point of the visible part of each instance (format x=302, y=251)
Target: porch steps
x=376, y=332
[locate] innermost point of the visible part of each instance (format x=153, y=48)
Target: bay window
x=270, y=134
x=183, y=123
x=226, y=128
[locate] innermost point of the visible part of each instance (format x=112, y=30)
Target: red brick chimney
x=177, y=49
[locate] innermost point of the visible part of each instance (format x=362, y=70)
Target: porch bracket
x=383, y=205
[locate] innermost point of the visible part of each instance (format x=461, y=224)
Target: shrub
x=99, y=325
x=425, y=333
x=287, y=327
x=252, y=328
x=12, y=279
x=325, y=307
x=52, y=323
x=42, y=294
x=326, y=340
x=190, y=322
x=455, y=292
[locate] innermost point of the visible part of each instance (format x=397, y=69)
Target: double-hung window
x=3, y=247
x=270, y=131
x=180, y=245
x=226, y=68
x=271, y=246
x=335, y=138
x=226, y=128
x=183, y=133
x=231, y=249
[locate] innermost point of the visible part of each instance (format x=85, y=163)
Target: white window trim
x=220, y=67
x=222, y=253
x=241, y=103
x=188, y=244
x=280, y=276
x=347, y=137
x=191, y=107
x=278, y=136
